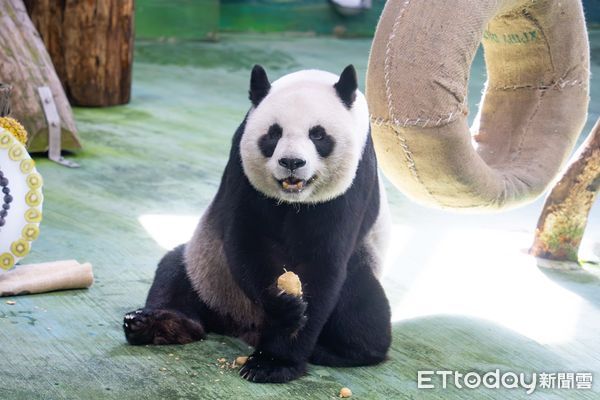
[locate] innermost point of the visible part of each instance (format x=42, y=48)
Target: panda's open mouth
x=291, y=184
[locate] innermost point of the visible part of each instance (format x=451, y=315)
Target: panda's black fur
x=343, y=317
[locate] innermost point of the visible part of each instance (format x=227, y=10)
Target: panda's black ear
x=259, y=85
x=346, y=86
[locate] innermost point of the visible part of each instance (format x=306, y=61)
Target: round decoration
x=20, y=200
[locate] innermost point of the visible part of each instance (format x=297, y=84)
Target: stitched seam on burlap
x=527, y=128
x=387, y=59
x=431, y=122
x=559, y=85
x=419, y=122
x=542, y=92
x=410, y=162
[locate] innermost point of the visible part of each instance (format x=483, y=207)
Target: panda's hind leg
x=173, y=313
x=358, y=331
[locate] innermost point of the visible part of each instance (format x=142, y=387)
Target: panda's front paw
x=285, y=312
x=149, y=326
x=263, y=369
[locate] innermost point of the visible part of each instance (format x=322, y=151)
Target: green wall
x=181, y=19
x=314, y=16
x=202, y=19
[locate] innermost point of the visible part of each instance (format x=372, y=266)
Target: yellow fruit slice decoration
x=20, y=247
x=33, y=215
x=27, y=165
x=16, y=152
x=33, y=198
x=6, y=140
x=34, y=180
x=6, y=261
x=31, y=232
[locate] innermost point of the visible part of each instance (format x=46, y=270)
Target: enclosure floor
x=464, y=294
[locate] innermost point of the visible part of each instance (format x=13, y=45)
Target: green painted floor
x=465, y=296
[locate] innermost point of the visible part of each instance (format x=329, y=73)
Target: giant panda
x=301, y=193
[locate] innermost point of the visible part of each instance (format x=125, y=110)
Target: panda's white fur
x=297, y=102
x=378, y=238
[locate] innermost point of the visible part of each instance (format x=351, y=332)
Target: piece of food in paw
x=345, y=392
x=241, y=360
x=290, y=283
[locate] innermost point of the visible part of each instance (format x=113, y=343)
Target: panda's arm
x=322, y=277
x=248, y=260
x=321, y=293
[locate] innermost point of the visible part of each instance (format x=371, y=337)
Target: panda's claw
x=246, y=374
x=262, y=369
x=135, y=326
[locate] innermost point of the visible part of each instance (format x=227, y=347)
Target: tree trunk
x=4, y=99
x=565, y=213
x=26, y=65
x=91, y=45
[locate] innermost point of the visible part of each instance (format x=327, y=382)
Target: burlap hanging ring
x=532, y=111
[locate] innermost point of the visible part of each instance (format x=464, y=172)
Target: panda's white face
x=304, y=137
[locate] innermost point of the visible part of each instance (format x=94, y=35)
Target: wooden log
x=4, y=99
x=26, y=65
x=91, y=45
x=564, y=216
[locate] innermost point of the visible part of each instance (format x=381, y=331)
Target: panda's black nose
x=291, y=163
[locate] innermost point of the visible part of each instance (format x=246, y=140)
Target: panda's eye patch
x=323, y=142
x=316, y=133
x=275, y=132
x=268, y=142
